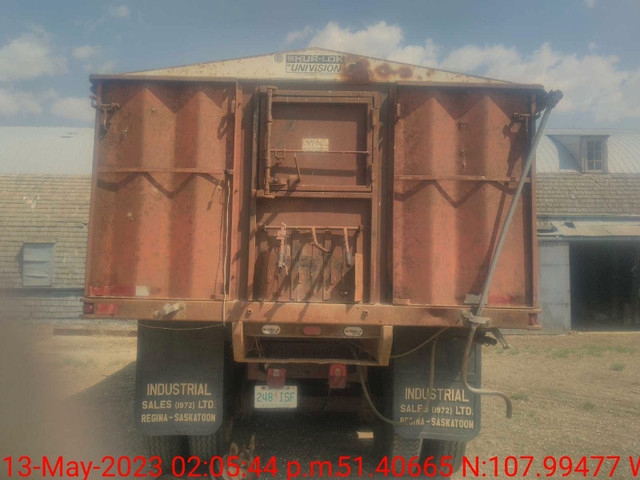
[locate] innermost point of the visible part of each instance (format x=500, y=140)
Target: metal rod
x=160, y=170
x=465, y=367
x=553, y=99
x=267, y=160
x=354, y=152
x=310, y=227
x=457, y=178
x=295, y=158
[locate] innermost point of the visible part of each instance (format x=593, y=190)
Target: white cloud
x=593, y=84
x=73, y=108
x=119, y=11
x=28, y=56
x=590, y=3
x=379, y=39
x=592, y=46
x=14, y=103
x=105, y=67
x=85, y=52
x=299, y=35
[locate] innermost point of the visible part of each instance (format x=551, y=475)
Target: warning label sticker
x=315, y=144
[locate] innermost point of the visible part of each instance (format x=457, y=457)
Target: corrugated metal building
x=589, y=228
x=43, y=223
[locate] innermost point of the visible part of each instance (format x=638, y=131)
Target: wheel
x=390, y=444
x=204, y=447
x=443, y=448
x=166, y=447
x=216, y=444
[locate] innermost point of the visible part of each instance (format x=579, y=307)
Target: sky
x=587, y=48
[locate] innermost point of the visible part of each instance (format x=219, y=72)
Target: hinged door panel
x=314, y=184
x=316, y=142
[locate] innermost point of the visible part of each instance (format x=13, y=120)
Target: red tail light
x=338, y=375
x=276, y=377
x=88, y=308
x=312, y=331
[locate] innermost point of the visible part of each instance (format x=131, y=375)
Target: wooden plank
x=358, y=267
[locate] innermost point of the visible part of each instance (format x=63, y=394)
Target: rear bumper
x=311, y=313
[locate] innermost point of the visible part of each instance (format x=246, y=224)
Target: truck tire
x=204, y=447
x=443, y=448
x=166, y=447
x=390, y=444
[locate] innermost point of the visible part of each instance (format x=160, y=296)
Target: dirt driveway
x=574, y=395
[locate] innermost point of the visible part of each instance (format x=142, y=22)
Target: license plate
x=285, y=397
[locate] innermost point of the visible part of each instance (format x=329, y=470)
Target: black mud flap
x=179, y=379
x=452, y=412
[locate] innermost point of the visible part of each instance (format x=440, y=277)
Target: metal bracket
x=281, y=236
x=469, y=319
x=315, y=241
x=107, y=109
x=169, y=311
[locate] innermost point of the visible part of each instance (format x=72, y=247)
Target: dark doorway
x=605, y=285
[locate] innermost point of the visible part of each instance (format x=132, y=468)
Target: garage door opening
x=605, y=285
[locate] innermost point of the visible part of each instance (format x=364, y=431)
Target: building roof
x=564, y=191
x=554, y=152
x=593, y=194
x=316, y=64
x=48, y=209
x=55, y=150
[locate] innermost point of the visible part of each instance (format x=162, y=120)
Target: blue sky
x=588, y=48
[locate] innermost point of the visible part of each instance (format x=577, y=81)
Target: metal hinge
x=107, y=109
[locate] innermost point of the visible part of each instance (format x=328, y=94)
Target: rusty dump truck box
x=310, y=187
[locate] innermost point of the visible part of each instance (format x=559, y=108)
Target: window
x=37, y=264
x=594, y=154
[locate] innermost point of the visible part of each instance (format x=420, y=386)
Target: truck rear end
x=312, y=223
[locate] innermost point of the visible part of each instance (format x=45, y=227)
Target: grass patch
x=521, y=396
x=77, y=362
x=598, y=350
x=560, y=353
x=617, y=367
x=588, y=405
x=589, y=350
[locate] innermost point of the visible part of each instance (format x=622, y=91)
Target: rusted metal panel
x=457, y=157
x=161, y=192
x=315, y=64
x=368, y=202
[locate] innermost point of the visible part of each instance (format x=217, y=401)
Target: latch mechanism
x=106, y=109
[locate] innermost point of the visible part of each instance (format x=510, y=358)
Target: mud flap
x=179, y=379
x=451, y=413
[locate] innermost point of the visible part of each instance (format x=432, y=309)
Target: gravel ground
x=574, y=395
